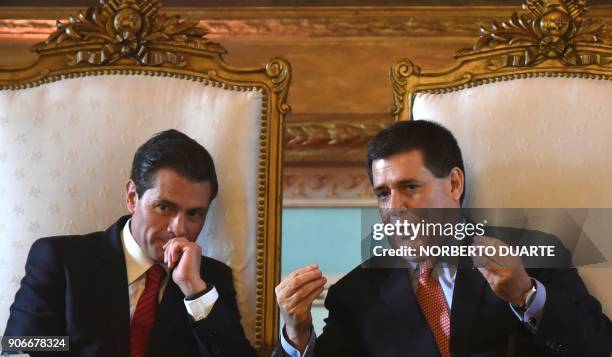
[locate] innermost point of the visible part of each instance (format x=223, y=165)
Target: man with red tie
x=425, y=307
x=142, y=287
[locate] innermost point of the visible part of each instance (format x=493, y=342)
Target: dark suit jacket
x=374, y=312
x=77, y=286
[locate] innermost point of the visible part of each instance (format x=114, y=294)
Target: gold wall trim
x=331, y=138
x=118, y=30
x=327, y=186
x=406, y=21
x=120, y=43
x=549, y=39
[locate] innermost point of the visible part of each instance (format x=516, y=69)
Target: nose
x=177, y=225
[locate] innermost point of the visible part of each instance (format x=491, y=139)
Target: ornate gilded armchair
x=102, y=84
x=530, y=106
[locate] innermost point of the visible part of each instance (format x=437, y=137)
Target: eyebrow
x=198, y=209
x=399, y=183
x=175, y=207
x=166, y=202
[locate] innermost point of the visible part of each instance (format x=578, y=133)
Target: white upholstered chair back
x=536, y=142
x=534, y=125
x=67, y=140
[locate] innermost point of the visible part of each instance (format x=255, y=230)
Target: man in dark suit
x=142, y=287
x=424, y=306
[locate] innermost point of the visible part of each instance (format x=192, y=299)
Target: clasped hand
x=183, y=259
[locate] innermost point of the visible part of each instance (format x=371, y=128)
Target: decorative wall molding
x=122, y=29
x=550, y=38
x=327, y=186
x=331, y=138
x=547, y=30
x=405, y=21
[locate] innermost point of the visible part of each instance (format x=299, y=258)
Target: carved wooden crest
x=550, y=29
x=127, y=29
x=551, y=38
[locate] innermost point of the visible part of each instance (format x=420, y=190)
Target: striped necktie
x=433, y=305
x=146, y=310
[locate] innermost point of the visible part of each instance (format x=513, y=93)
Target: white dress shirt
x=137, y=263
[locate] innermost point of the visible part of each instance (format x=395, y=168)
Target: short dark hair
x=439, y=147
x=173, y=150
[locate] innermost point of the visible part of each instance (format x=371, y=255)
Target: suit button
x=215, y=349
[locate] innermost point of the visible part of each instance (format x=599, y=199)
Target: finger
x=500, y=260
x=166, y=251
x=166, y=245
x=289, y=284
x=167, y=255
x=305, y=305
x=305, y=270
x=485, y=240
x=310, y=287
x=304, y=295
x=489, y=241
x=173, y=248
x=174, y=251
x=292, y=285
x=487, y=262
x=315, y=294
x=299, y=273
x=487, y=266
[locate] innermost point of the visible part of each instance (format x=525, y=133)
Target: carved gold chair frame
x=132, y=37
x=551, y=38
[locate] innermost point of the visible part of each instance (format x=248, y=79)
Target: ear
x=131, y=196
x=457, y=181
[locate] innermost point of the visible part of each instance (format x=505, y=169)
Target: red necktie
x=144, y=316
x=433, y=305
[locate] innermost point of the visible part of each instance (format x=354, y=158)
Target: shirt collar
x=136, y=260
x=439, y=265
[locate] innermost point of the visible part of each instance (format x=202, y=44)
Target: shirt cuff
x=200, y=307
x=294, y=352
x=532, y=316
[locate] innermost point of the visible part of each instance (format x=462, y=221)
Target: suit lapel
x=113, y=286
x=467, y=296
x=407, y=327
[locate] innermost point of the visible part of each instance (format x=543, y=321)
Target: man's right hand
x=295, y=295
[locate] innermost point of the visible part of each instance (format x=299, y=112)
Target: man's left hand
x=505, y=274
x=183, y=260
